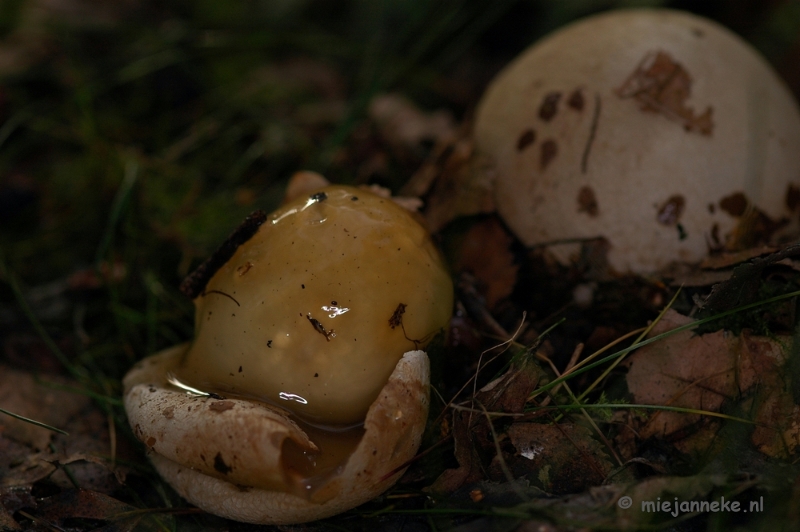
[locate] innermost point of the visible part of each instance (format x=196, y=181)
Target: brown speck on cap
x=734, y=204
x=587, y=201
x=792, y=197
x=575, y=100
x=670, y=211
x=244, y=268
x=396, y=320
x=527, y=138
x=549, y=151
x=549, y=106
x=196, y=282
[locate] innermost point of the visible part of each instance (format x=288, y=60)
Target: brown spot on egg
x=527, y=138
x=220, y=406
x=587, y=201
x=716, y=243
x=151, y=441
x=220, y=465
x=244, y=268
x=792, y=197
x=670, y=211
x=549, y=106
x=549, y=151
x=575, y=100
x=169, y=412
x=734, y=204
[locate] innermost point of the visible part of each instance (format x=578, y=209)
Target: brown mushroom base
x=230, y=457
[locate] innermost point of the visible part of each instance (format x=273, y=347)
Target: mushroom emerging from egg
x=660, y=131
x=305, y=386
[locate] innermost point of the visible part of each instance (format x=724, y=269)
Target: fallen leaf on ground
x=453, y=183
x=728, y=259
x=86, y=504
x=661, y=84
x=22, y=394
x=485, y=253
x=558, y=458
x=469, y=468
x=706, y=371
x=742, y=288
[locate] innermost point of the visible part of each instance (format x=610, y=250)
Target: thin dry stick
x=112, y=438
x=501, y=460
x=41, y=522
x=575, y=355
x=604, y=349
x=506, y=343
x=583, y=411
x=462, y=408
x=639, y=339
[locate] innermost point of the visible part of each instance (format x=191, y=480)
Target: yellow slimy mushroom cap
x=313, y=312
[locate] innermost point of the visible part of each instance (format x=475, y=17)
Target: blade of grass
x=117, y=207
x=11, y=279
x=639, y=339
x=653, y=407
x=33, y=422
x=585, y=414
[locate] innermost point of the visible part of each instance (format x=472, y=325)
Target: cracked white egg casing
x=228, y=456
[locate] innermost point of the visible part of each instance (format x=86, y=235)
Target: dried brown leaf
x=86, y=504
x=560, y=458
x=22, y=394
x=453, y=182
x=510, y=392
x=469, y=468
x=742, y=288
x=728, y=259
x=485, y=253
x=703, y=372
x=661, y=84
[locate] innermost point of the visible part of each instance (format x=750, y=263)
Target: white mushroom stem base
x=209, y=450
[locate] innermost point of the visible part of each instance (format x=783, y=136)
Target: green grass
x=141, y=145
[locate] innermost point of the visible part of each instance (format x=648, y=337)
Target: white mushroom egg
x=660, y=131
x=305, y=390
